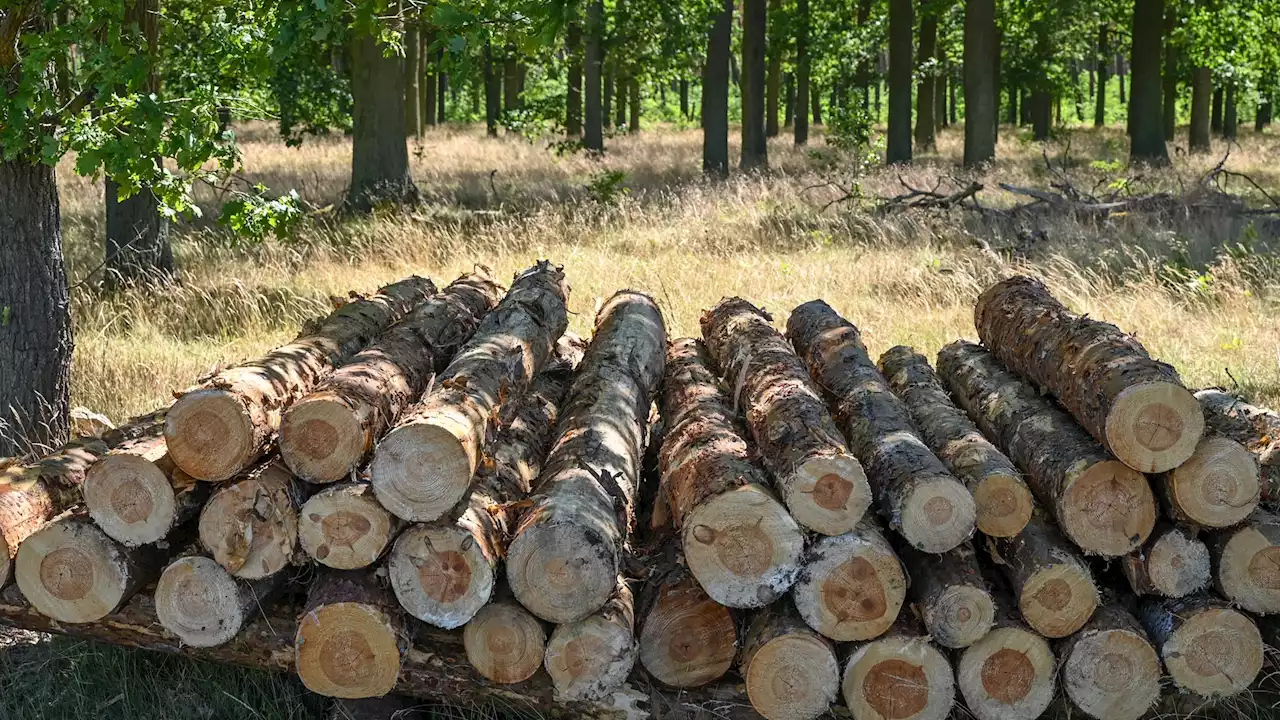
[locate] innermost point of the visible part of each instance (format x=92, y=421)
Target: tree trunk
x=789, y=670
x=593, y=138
x=1025, y=108
x=926, y=138
x=1104, y=507
x=424, y=466
x=950, y=594
x=899, y=675
x=573, y=94
x=431, y=81
x=788, y=100
x=412, y=81
x=220, y=427
x=1201, y=91
x=504, y=642
x=1173, y=563
x=492, y=93
x=587, y=490
x=685, y=638
x=1041, y=115
x=1010, y=673
x=350, y=636
x=953, y=115
x=250, y=527
x=204, y=606
x=1207, y=647
x=606, y=99
x=327, y=434
x=1246, y=563
x=1055, y=590
x=138, y=249
x=901, y=67
x=633, y=102
x=981, y=88
x=684, y=98
x=821, y=482
x=1120, y=76
x=379, y=155
x=1256, y=428
x=344, y=527
x=1146, y=123
x=1215, y=118
x=138, y=496
x=913, y=489
x=1104, y=68
x=511, y=80
x=1014, y=115
x=804, y=72
x=1169, y=119
x=1218, y=487
x=624, y=85
x=715, y=93
x=1003, y=501
x=1133, y=404
x=1109, y=668
x=940, y=94
x=739, y=542
x=852, y=586
x=442, y=85
x=773, y=84
x=1262, y=115
x=1230, y=114
x=610, y=634
x=817, y=103
x=755, y=149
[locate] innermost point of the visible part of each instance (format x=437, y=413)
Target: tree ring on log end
x=130, y=498
x=828, y=494
x=1214, y=653
x=197, y=600
x=71, y=571
x=347, y=650
x=938, y=514
x=321, y=439
x=1108, y=509
x=1154, y=427
x=792, y=677
x=743, y=547
x=899, y=678
x=1112, y=673
x=1004, y=505
x=344, y=527
x=960, y=616
x=440, y=574
x=589, y=658
x=562, y=573
x=688, y=639
x=1008, y=674
x=852, y=586
x=1178, y=564
x=1058, y=600
x=210, y=434
x=505, y=643
x=1219, y=486
x=421, y=470
x=251, y=527
x=1249, y=571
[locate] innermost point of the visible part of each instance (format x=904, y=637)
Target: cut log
x=914, y=491
x=204, y=606
x=1258, y=429
x=686, y=639
x=1003, y=500
x=1009, y=673
x=137, y=495
x=1173, y=563
x=344, y=527
x=901, y=675
x=591, y=658
x=790, y=671
x=327, y=434
x=504, y=642
x=1055, y=590
x=1103, y=506
x=222, y=426
x=566, y=553
x=1135, y=406
x=251, y=526
x=852, y=586
x=739, y=541
x=821, y=482
x=444, y=572
x=72, y=572
x=1207, y=647
x=349, y=640
x=950, y=594
x=1109, y=668
x=423, y=467
x=1246, y=563
x=1218, y=487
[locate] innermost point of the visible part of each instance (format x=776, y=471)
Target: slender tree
x=412, y=80
x=803, y=72
x=511, y=80
x=900, y=70
x=1169, y=118
x=773, y=82
x=1104, y=67
x=981, y=94
x=715, y=93
x=492, y=93
x=755, y=150
x=1215, y=116
x=573, y=95
x=594, y=135
x=925, y=93
x=1201, y=91
x=1230, y=112
x=430, y=77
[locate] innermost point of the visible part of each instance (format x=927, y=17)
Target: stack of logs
x=441, y=493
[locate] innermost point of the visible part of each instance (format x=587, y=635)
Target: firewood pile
x=441, y=493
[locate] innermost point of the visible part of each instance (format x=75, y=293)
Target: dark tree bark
x=1145, y=105
x=1041, y=108
x=633, y=93
x=715, y=93
x=380, y=156
x=684, y=98
x=432, y=92
x=995, y=74
x=1215, y=117
x=412, y=82
x=1104, y=66
x=573, y=96
x=492, y=93
x=900, y=70
x=1120, y=72
x=511, y=80
x=620, y=112
x=953, y=117
x=755, y=150
x=773, y=84
x=803, y=73
x=1169, y=120
x=863, y=71
x=594, y=131
x=442, y=85
x=1024, y=106
x=1230, y=113
x=1262, y=116
x=1201, y=90
x=788, y=100
x=606, y=99
x=817, y=104
x=926, y=137
x=940, y=93
x=981, y=94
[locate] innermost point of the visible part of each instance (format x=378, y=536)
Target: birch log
x=137, y=495
x=791, y=672
x=590, y=658
x=351, y=636
x=853, y=585
x=198, y=601
x=1207, y=647
x=1246, y=563
x=950, y=594
x=1173, y=563
x=1055, y=591
x=686, y=639
x=251, y=526
x=1258, y=429
x=344, y=527
x=1009, y=673
x=1218, y=487
x=900, y=675
x=1109, y=668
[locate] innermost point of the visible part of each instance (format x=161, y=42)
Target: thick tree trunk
x=596, y=112
x=573, y=93
x=1201, y=92
x=198, y=601
x=853, y=585
x=789, y=670
x=328, y=433
x=137, y=495
x=926, y=95
x=633, y=105
x=218, y=428
x=250, y=527
x=914, y=491
x=1104, y=69
x=1215, y=118
x=620, y=113
x=1207, y=647
x=1004, y=503
x=567, y=551
x=755, y=149
x=424, y=466
x=821, y=482
x=1258, y=429
x=739, y=542
x=685, y=638
x=1041, y=115
x=901, y=67
x=1054, y=588
x=684, y=98
x=512, y=80
x=715, y=94
x=379, y=155
x=589, y=659
x=1230, y=113
x=412, y=81
x=1131, y=403
x=492, y=93
x=1262, y=115
x=1010, y=673
x=35, y=337
x=899, y=675
x=1105, y=507
x=1109, y=668
x=1246, y=563
x=950, y=594
x=1173, y=563
x=1218, y=487
x=344, y=527
x=138, y=248
x=773, y=83
x=804, y=73
x=504, y=642
x=1146, y=123
x=981, y=86
x=350, y=638
x=1169, y=119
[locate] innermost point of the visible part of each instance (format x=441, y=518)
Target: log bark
x=327, y=434
x=915, y=492
x=220, y=427
x=950, y=594
x=565, y=557
x=251, y=526
x=1009, y=673
x=1207, y=647
x=901, y=675
x=739, y=541
x=424, y=466
x=444, y=572
x=344, y=527
x=1004, y=502
x=1173, y=563
x=350, y=636
x=1055, y=590
x=137, y=495
x=1136, y=406
x=590, y=659
x=1110, y=671
x=504, y=642
x=1246, y=563
x=1103, y=506
x=201, y=604
x=853, y=585
x=790, y=671
x=686, y=639
x=821, y=482
x=1258, y=429
x=1218, y=487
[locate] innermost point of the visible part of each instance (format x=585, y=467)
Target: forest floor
x=1202, y=294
